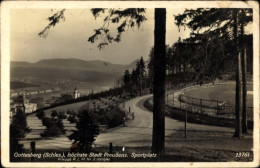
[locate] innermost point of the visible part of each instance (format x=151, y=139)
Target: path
x=137, y=132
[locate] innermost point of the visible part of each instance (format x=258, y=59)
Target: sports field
x=223, y=92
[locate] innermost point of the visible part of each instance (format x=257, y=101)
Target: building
x=66, y=97
x=21, y=103
x=76, y=93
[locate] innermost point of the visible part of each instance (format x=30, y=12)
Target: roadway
x=136, y=133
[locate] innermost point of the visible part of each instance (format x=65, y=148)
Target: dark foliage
x=72, y=119
x=87, y=130
x=18, y=130
x=212, y=38
x=114, y=118
x=62, y=115
x=54, y=127
x=54, y=113
x=54, y=19
x=123, y=18
x=40, y=114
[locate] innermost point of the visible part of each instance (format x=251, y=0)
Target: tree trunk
x=158, y=136
x=238, y=130
x=244, y=92
x=244, y=71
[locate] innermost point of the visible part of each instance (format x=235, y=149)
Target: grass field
x=221, y=93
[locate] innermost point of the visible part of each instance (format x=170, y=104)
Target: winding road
x=136, y=133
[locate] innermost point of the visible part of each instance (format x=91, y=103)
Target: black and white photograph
x=134, y=83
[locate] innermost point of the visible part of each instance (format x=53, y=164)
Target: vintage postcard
x=129, y=84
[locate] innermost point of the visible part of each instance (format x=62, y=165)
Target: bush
x=54, y=113
x=101, y=112
x=40, y=114
x=61, y=115
x=46, y=121
x=54, y=127
x=115, y=118
x=73, y=113
x=102, y=119
x=68, y=112
x=72, y=119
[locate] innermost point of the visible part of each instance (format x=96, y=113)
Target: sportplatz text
x=81, y=155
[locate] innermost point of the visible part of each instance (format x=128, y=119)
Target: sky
x=69, y=38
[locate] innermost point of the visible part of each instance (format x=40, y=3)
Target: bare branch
x=54, y=19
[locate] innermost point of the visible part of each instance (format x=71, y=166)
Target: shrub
x=72, y=119
x=68, y=112
x=73, y=113
x=54, y=127
x=40, y=114
x=115, y=117
x=54, y=113
x=61, y=115
x=102, y=119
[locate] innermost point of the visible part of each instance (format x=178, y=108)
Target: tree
x=141, y=67
x=244, y=72
x=54, y=113
x=54, y=127
x=134, y=79
x=18, y=130
x=238, y=130
x=138, y=74
x=62, y=115
x=87, y=130
x=127, y=80
x=221, y=26
x=158, y=137
x=132, y=17
x=151, y=62
x=40, y=114
x=169, y=58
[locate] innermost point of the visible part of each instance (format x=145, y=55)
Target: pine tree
x=141, y=67
x=18, y=130
x=127, y=80
x=87, y=130
x=221, y=27
x=151, y=62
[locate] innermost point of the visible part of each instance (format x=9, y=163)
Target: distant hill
x=75, y=64
x=74, y=69
x=16, y=85
x=132, y=65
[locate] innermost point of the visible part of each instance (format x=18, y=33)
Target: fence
x=203, y=107
x=218, y=105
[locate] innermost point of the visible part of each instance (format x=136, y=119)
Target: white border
x=5, y=73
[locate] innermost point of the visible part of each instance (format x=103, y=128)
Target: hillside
x=16, y=85
x=69, y=64
x=73, y=69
